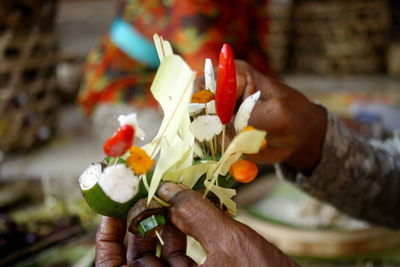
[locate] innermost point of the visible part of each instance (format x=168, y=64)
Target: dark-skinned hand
x=227, y=242
x=296, y=127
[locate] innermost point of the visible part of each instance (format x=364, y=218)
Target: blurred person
x=122, y=67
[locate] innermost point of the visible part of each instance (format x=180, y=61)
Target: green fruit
x=101, y=203
x=98, y=200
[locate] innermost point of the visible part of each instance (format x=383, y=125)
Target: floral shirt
x=360, y=177
x=196, y=29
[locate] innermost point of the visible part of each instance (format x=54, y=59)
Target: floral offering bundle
x=186, y=148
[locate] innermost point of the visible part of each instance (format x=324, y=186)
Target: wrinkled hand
x=296, y=127
x=227, y=242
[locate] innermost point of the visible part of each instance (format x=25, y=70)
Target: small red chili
x=225, y=96
x=120, y=142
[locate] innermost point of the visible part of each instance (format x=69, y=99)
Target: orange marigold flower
x=139, y=161
x=263, y=144
x=203, y=96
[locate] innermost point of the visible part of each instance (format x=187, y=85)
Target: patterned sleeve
x=360, y=177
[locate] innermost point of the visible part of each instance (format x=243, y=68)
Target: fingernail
x=168, y=190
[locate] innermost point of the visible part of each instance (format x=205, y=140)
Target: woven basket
x=279, y=31
x=395, y=8
x=341, y=37
x=394, y=60
x=28, y=56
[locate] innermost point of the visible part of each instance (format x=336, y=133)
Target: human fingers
x=199, y=84
x=195, y=215
x=269, y=156
x=270, y=86
x=147, y=261
x=110, y=249
x=228, y=243
x=142, y=249
x=174, y=249
x=243, y=79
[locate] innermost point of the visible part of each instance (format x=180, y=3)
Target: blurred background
x=64, y=80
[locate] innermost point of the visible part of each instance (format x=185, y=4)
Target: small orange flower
x=203, y=96
x=139, y=161
x=249, y=128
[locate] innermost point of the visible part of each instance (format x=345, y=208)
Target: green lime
x=111, y=191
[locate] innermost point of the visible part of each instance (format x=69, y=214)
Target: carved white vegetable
x=244, y=112
x=119, y=183
x=110, y=191
x=209, y=75
x=196, y=108
x=205, y=127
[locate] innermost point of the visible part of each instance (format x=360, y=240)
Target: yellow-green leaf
x=172, y=88
x=224, y=194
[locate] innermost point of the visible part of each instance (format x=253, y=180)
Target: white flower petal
x=211, y=107
x=196, y=108
x=90, y=176
x=197, y=150
x=245, y=109
x=209, y=75
x=131, y=119
x=119, y=183
x=206, y=127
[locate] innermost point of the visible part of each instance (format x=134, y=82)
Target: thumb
x=194, y=215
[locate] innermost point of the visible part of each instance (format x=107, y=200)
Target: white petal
x=209, y=75
x=196, y=108
x=245, y=109
x=90, y=176
x=211, y=107
x=131, y=119
x=206, y=127
x=197, y=150
x=119, y=183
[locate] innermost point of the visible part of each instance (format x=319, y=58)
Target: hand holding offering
x=226, y=241
x=296, y=127
x=183, y=155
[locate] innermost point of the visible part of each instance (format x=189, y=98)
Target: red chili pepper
x=120, y=142
x=225, y=96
